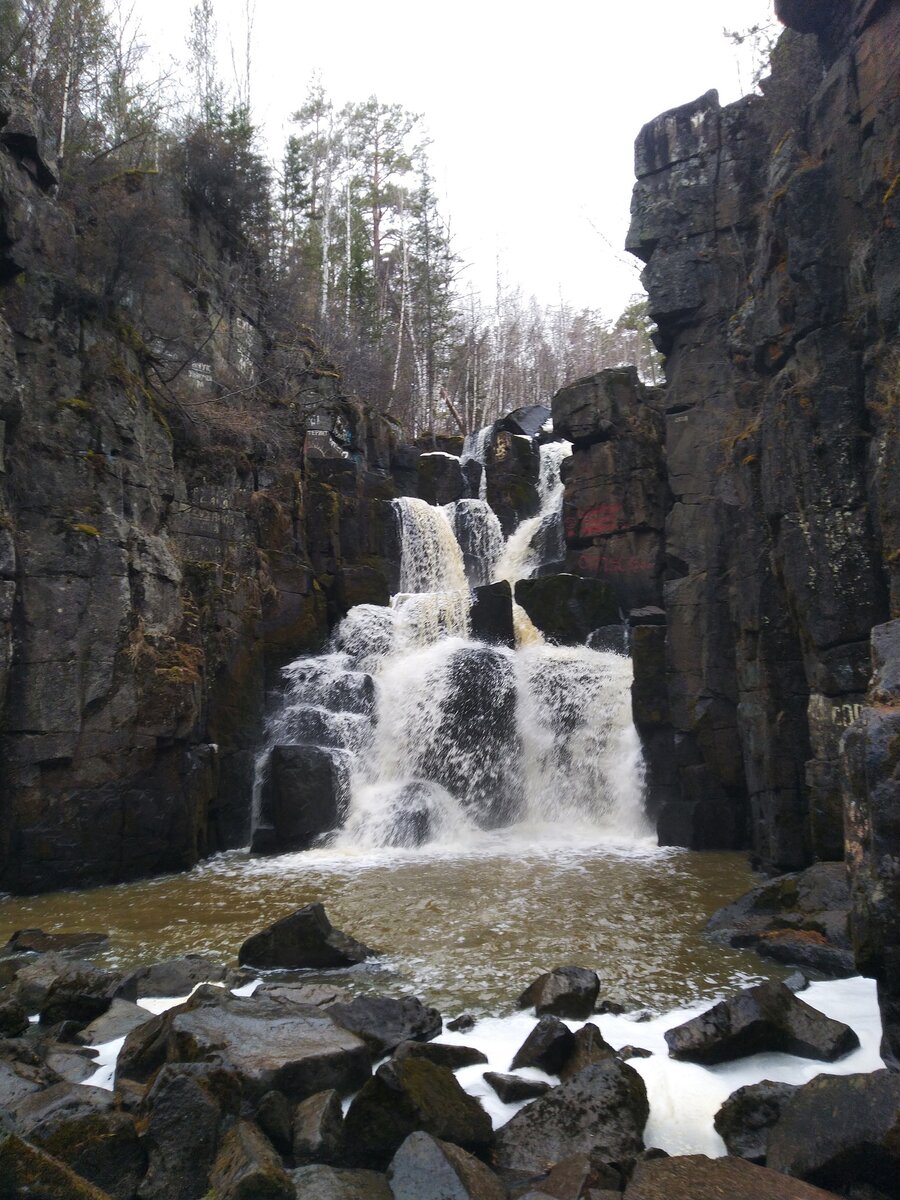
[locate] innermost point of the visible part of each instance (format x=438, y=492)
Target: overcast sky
x=532, y=109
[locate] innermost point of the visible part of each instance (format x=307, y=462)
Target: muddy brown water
x=464, y=931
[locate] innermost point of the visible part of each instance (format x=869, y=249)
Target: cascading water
x=453, y=742
x=475, y=447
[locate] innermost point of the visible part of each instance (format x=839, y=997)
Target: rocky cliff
x=185, y=499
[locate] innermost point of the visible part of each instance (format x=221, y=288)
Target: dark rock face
x=24, y=1169
x=511, y=1088
x=513, y=468
x=425, y=1168
x=305, y=794
x=870, y=754
x=590, y=1047
x=529, y=420
x=404, y=1097
x=178, y=976
x=603, y=1109
x=840, y=1130
x=769, y=233
x=567, y=608
x=766, y=1017
x=318, y=1129
x=492, y=614
x=156, y=544
x=548, y=1046
x=441, y=479
x=331, y=1183
x=247, y=1167
x=306, y=938
x=442, y=1054
x=746, y=1118
x=695, y=1177
x=563, y=992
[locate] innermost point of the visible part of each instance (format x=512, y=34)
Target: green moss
x=77, y=405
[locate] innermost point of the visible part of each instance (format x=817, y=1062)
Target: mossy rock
x=27, y=1171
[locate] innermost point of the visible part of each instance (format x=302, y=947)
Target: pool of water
x=464, y=929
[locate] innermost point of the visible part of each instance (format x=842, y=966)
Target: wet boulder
x=274, y=1116
x=22, y=1073
x=603, y=1109
x=304, y=795
x=443, y=1054
x=747, y=1116
x=562, y=992
x=27, y=1171
x=75, y=1064
x=36, y=941
x=767, y=1017
x=332, y=1183
x=403, y=1097
x=809, y=949
x=426, y=1168
x=513, y=1088
x=318, y=1129
x=182, y=1116
x=80, y=1127
x=491, y=614
x=567, y=608
x=305, y=938
x=13, y=1019
x=528, y=420
x=266, y=1045
x=117, y=1022
x=582, y=1175
x=695, y=1177
x=83, y=992
x=590, y=1047
x=34, y=979
x=512, y=466
x=247, y=1167
x=383, y=1022
x=179, y=976
x=479, y=536
x=547, y=1047
x=441, y=478
x=841, y=1130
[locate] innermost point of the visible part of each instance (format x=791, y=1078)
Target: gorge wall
x=171, y=521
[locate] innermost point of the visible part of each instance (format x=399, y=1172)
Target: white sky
x=532, y=109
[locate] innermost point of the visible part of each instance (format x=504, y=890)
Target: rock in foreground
x=746, y=1118
x=602, y=1109
x=695, y=1177
x=425, y=1168
x=768, y=1017
x=563, y=992
x=306, y=938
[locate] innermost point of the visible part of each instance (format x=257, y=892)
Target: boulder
x=13, y=1019
x=598, y=407
x=512, y=466
x=547, y=1047
x=747, y=1116
x=304, y=795
x=275, y=1118
x=67, y=944
x=318, y=1129
x=603, y=1110
x=34, y=979
x=807, y=948
x=528, y=420
x=268, y=1046
x=443, y=1054
x=179, y=976
x=695, y=1177
x=182, y=1116
x=83, y=992
x=513, y=1088
x=491, y=614
x=441, y=479
x=72, y=1063
x=331, y=1183
x=629, y=1051
x=247, y=1167
x=582, y=1175
x=403, y=1097
x=590, y=1047
x=27, y=1171
x=117, y=1022
x=19, y=1079
x=79, y=1127
x=306, y=938
x=841, y=1130
x=426, y=1168
x=462, y=1023
x=610, y=639
x=767, y=1017
x=562, y=992
x=567, y=608
x=383, y=1022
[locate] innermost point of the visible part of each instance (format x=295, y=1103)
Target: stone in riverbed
x=403, y=1097
x=562, y=992
x=547, y=1047
x=512, y=1088
x=179, y=976
x=807, y=948
x=840, y=1130
x=746, y=1118
x=590, y=1047
x=696, y=1177
x=331, y=1183
x=767, y=1017
x=274, y=1117
x=318, y=1125
x=247, y=1168
x=39, y=942
x=603, y=1109
x=426, y=1168
x=83, y=992
x=13, y=1019
x=443, y=1054
x=117, y=1022
x=304, y=795
x=383, y=1022
x=305, y=938
x=27, y=1171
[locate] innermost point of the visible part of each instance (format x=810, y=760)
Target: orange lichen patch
x=811, y=936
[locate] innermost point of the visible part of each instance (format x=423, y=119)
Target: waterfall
x=450, y=741
x=475, y=447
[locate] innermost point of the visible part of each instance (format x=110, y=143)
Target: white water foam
x=523, y=552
